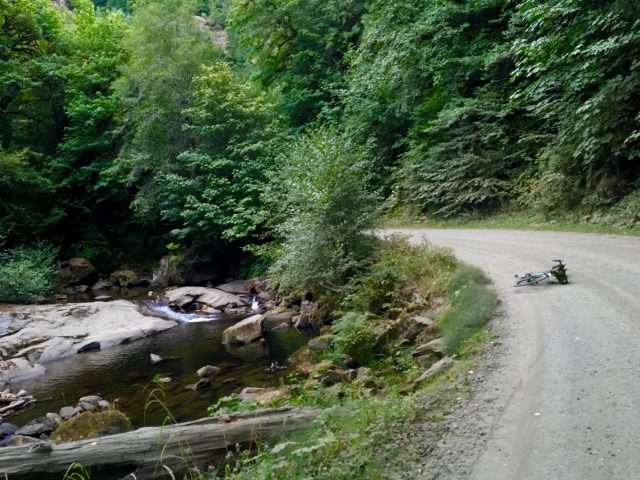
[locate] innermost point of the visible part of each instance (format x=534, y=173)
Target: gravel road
x=563, y=401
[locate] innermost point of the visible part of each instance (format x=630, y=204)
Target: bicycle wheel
x=531, y=279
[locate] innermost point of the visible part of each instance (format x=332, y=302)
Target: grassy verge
x=367, y=427
x=519, y=221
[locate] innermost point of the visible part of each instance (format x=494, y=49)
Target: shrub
x=356, y=336
x=26, y=273
x=322, y=192
x=397, y=271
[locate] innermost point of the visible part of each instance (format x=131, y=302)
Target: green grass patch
x=517, y=221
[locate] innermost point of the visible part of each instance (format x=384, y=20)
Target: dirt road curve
x=564, y=401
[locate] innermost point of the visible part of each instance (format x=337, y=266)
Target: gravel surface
x=560, y=397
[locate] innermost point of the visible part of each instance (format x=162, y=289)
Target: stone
x=251, y=393
x=103, y=404
x=124, y=278
x=87, y=407
x=103, y=298
x=77, y=271
x=208, y=371
x=271, y=395
x=236, y=287
x=166, y=380
x=282, y=327
x=425, y=361
x=245, y=331
x=438, y=346
x=302, y=361
x=102, y=285
x=155, y=358
x=321, y=343
x=57, y=419
x=184, y=296
x=440, y=366
x=201, y=384
x=91, y=399
x=89, y=347
x=37, y=427
x=22, y=393
x=7, y=429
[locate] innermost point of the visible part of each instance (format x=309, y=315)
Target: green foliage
x=300, y=46
x=577, y=66
x=77, y=471
x=231, y=404
x=397, y=271
x=356, y=336
x=26, y=273
x=473, y=303
x=212, y=190
x=166, y=50
x=322, y=190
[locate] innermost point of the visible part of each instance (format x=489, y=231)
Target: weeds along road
x=564, y=400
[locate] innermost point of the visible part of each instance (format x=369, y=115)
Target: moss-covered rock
x=92, y=424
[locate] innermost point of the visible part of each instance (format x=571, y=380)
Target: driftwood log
x=13, y=402
x=150, y=450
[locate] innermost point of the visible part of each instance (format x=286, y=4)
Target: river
x=124, y=374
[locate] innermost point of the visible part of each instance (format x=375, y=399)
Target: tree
x=166, y=49
x=212, y=190
x=322, y=190
x=300, y=47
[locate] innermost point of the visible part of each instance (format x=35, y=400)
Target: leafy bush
x=356, y=336
x=397, y=271
x=625, y=213
x=322, y=191
x=26, y=273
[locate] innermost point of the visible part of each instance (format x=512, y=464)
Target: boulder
x=7, y=429
x=93, y=424
x=278, y=315
x=435, y=369
x=248, y=352
x=438, y=347
x=124, y=278
x=282, y=327
x=211, y=297
x=104, y=404
x=37, y=427
x=102, y=285
x=236, y=287
x=54, y=331
x=321, y=343
x=67, y=412
x=77, y=271
x=245, y=331
x=208, y=371
x=91, y=399
x=302, y=361
x=251, y=393
x=103, y=298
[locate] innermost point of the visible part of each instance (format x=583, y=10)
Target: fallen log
x=149, y=450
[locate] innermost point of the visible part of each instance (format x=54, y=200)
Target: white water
x=161, y=308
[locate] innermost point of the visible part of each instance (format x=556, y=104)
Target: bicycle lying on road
x=558, y=271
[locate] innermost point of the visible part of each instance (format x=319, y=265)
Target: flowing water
x=124, y=374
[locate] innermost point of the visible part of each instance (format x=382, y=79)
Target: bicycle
x=558, y=271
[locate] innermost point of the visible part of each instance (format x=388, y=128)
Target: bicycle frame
x=559, y=271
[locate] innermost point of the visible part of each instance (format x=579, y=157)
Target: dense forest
x=281, y=129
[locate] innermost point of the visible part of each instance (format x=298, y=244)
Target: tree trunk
x=149, y=450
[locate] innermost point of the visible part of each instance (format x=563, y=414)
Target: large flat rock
x=44, y=333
